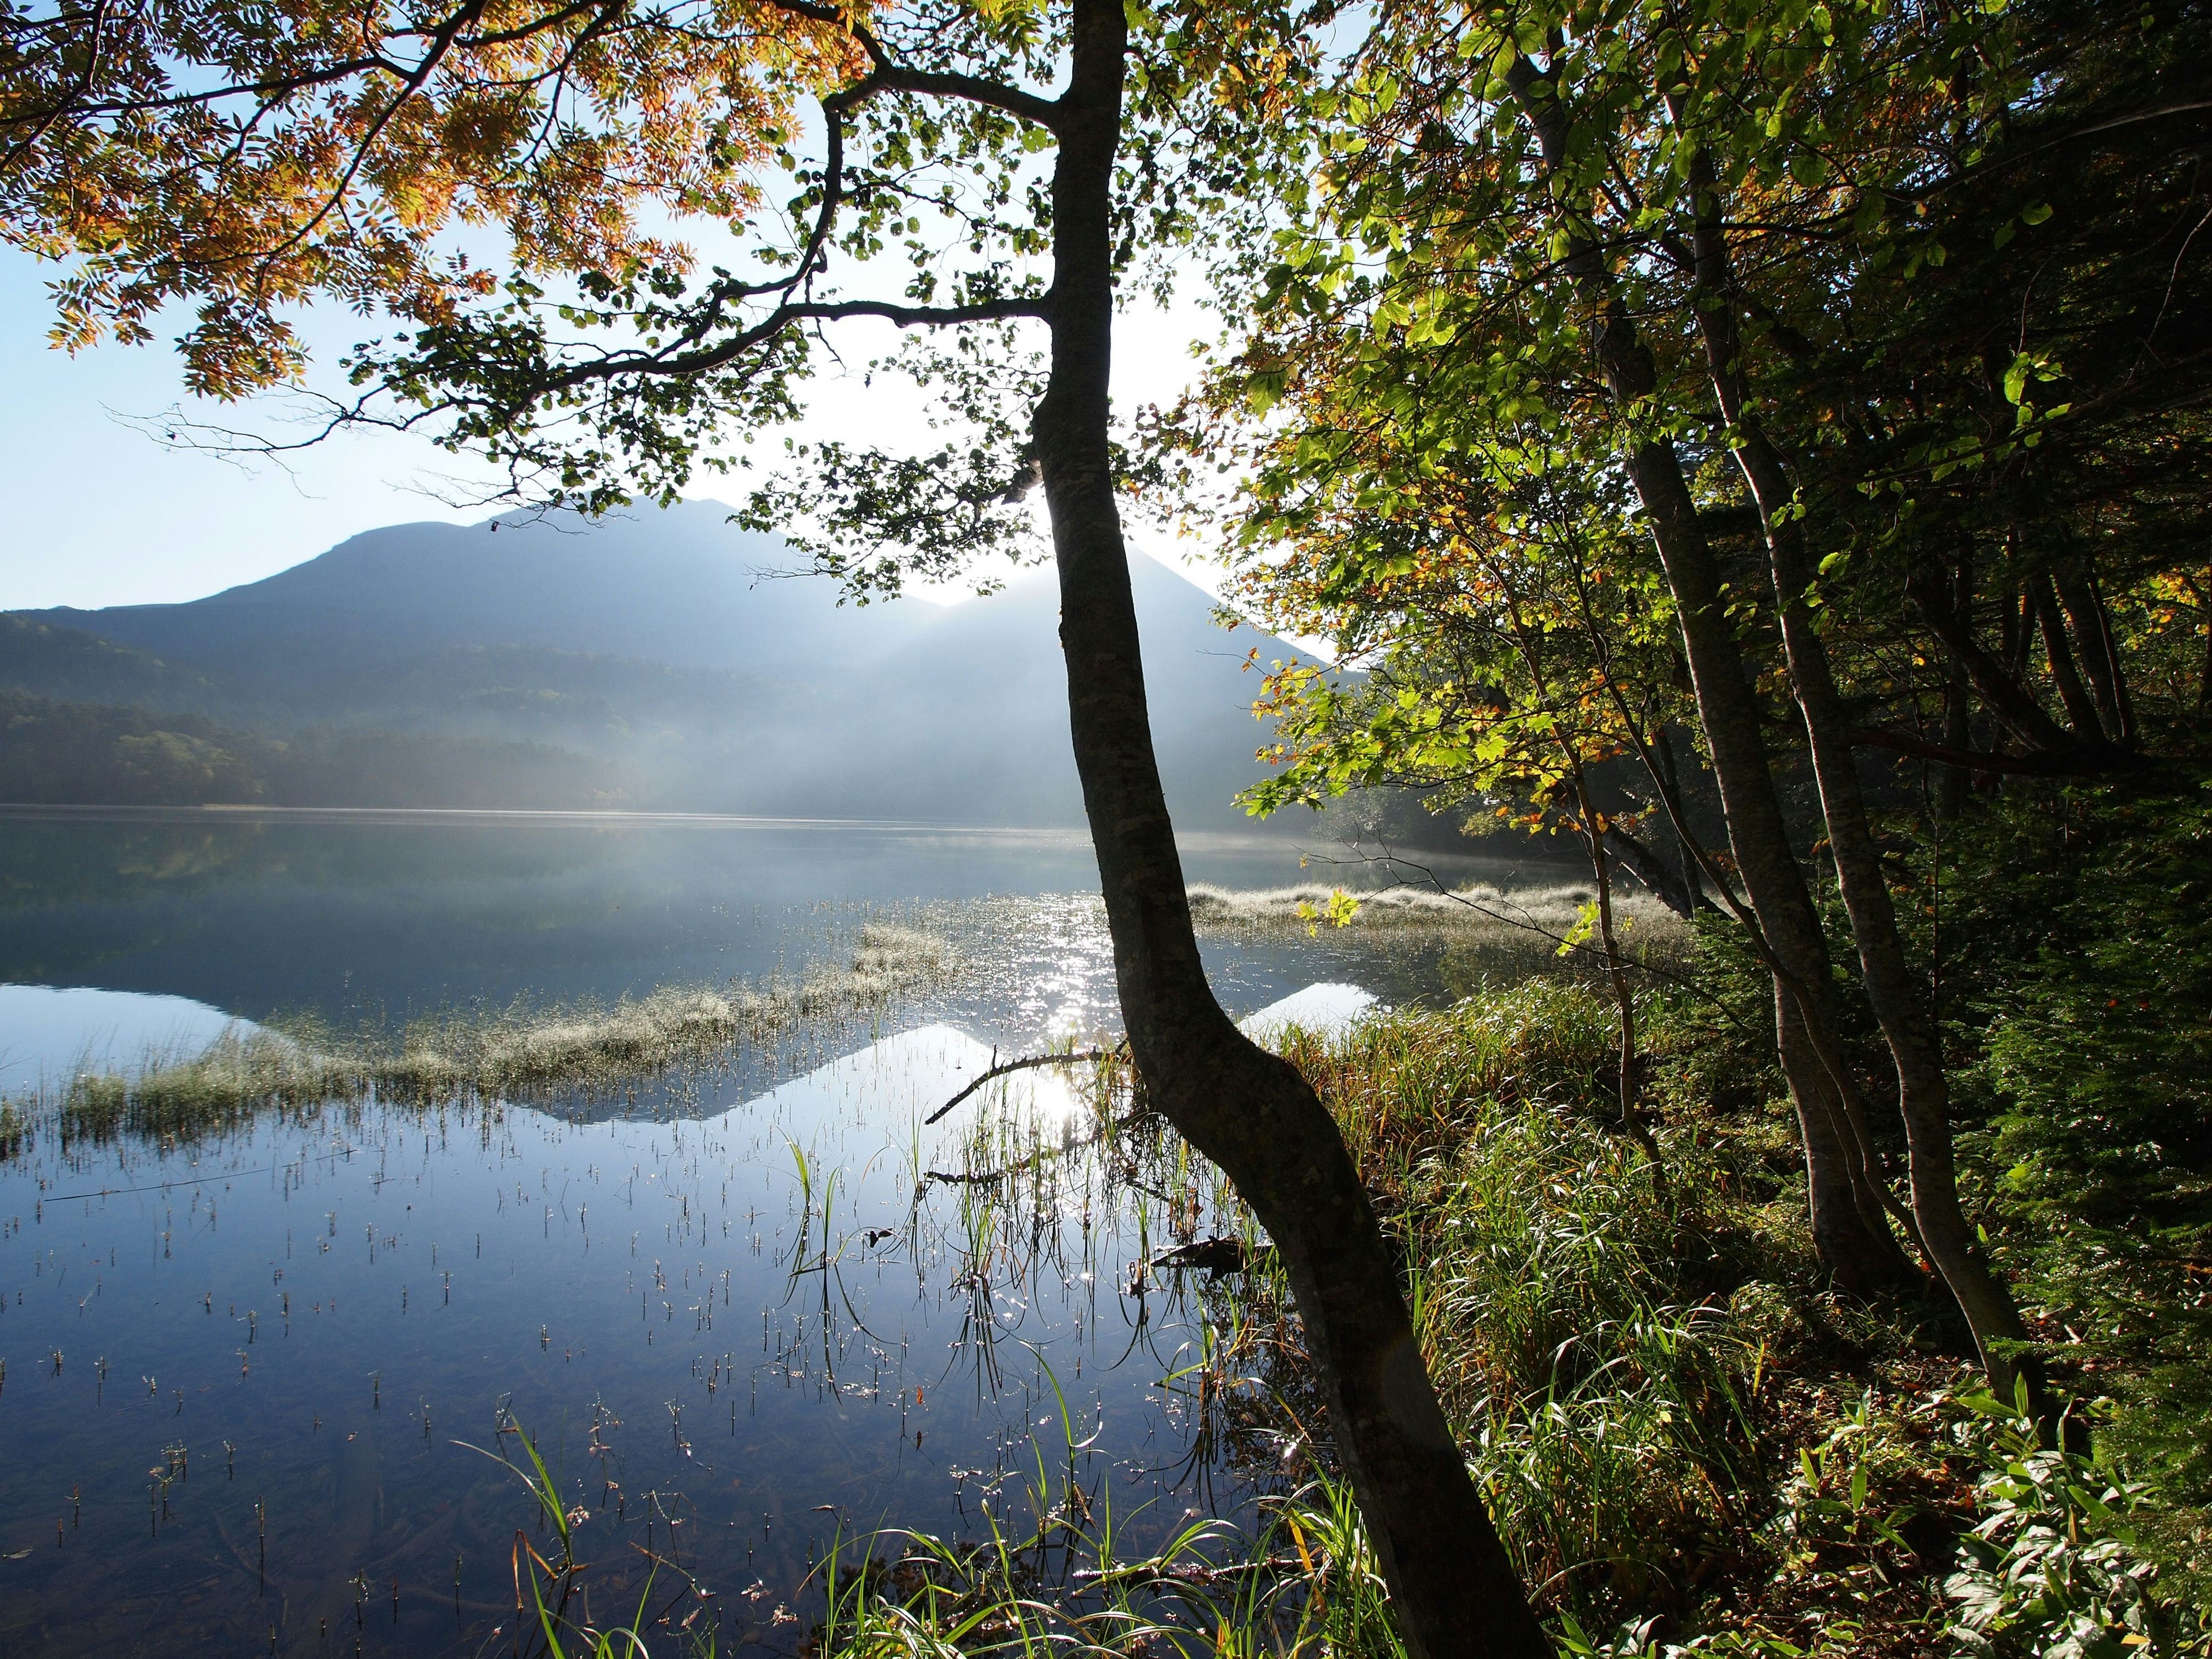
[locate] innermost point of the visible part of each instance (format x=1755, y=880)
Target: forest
x=1760, y=443
x=71, y=754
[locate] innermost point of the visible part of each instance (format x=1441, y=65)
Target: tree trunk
x=1923, y=1094
x=2081, y=710
x=1856, y=1246
x=1999, y=683
x=1664, y=745
x=1453, y=1587
x=1677, y=893
x=2099, y=654
x=1624, y=1000
x=1953, y=783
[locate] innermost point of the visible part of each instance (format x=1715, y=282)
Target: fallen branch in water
x=1027, y=1064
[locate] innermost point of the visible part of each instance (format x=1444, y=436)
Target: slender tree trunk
x=2099, y=654
x=1624, y=1000
x=1923, y=1097
x=1854, y=1241
x=1952, y=782
x=1595, y=832
x=2080, y=709
x=1454, y=1590
x=1999, y=684
x=1663, y=746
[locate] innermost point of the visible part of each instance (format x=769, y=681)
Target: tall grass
x=1529, y=921
x=1572, y=1298
x=1596, y=1326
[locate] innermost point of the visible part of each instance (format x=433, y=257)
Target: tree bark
x=1923, y=1094
x=2000, y=687
x=1454, y=1590
x=1664, y=746
x=1854, y=1242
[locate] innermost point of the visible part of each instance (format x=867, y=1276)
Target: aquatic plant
x=584, y=1047
x=554, y=1577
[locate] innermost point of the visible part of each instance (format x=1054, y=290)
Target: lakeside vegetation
x=1534, y=920
x=1691, y=1441
x=586, y=1049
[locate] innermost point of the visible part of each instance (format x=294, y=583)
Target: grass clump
x=1576, y=1304
x=581, y=1049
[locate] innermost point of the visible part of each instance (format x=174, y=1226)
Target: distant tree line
x=103, y=754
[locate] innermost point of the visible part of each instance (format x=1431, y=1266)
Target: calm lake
x=250, y=1379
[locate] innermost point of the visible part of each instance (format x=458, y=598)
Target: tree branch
x=890, y=76
x=681, y=364
x=1030, y=1063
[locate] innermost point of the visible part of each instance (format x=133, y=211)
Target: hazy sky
x=103, y=514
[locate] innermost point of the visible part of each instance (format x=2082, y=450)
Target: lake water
x=250, y=1381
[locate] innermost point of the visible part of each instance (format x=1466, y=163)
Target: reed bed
x=584, y=1048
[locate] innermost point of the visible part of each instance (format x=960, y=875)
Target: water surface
x=250, y=1379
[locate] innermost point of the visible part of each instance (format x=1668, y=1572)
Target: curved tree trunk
x=1453, y=1587
x=1923, y=1094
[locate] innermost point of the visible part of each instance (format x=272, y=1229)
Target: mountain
x=679, y=587
x=70, y=663
x=671, y=659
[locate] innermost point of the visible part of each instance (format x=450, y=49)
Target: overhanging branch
x=889, y=76
x=682, y=363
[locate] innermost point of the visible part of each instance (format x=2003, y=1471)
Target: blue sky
x=101, y=513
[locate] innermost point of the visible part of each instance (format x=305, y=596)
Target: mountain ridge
x=669, y=649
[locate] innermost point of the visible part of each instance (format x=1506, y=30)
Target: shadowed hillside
x=671, y=661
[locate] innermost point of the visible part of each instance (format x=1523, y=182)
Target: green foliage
x=2051, y=1568
x=74, y=666
x=2092, y=958
x=52, y=751
x=1593, y=1322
